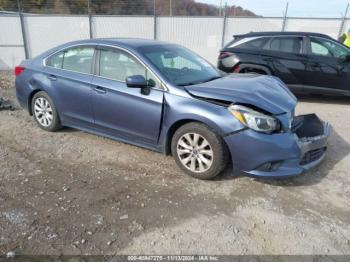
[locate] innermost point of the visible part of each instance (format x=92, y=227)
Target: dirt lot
x=74, y=193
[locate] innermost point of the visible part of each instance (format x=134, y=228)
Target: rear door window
x=287, y=44
x=78, y=59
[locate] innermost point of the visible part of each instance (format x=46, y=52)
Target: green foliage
x=121, y=7
x=7, y=5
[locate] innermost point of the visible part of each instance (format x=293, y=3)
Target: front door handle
x=100, y=90
x=52, y=77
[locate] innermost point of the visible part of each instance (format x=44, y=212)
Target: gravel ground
x=70, y=192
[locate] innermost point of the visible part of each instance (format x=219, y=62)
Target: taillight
x=18, y=70
x=225, y=54
x=236, y=69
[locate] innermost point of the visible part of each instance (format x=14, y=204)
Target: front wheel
x=199, y=151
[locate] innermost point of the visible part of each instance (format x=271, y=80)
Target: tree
x=122, y=7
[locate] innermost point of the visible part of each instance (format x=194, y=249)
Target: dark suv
x=306, y=62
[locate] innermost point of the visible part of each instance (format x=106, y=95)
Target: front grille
x=312, y=155
x=307, y=126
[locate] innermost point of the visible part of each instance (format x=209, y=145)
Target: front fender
x=178, y=109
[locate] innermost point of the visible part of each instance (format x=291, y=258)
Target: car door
x=285, y=56
x=70, y=74
x=121, y=111
x=328, y=68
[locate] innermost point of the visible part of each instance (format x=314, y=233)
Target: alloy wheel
x=43, y=111
x=195, y=152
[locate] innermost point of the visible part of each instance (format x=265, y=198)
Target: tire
x=209, y=161
x=45, y=113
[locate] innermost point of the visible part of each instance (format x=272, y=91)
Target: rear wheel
x=199, y=151
x=44, y=112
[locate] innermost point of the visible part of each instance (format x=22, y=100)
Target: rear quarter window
x=55, y=60
x=250, y=43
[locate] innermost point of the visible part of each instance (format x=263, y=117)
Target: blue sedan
x=164, y=97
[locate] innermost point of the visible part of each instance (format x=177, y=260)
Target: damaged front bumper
x=281, y=154
x=313, y=147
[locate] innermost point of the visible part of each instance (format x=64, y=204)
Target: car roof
x=131, y=43
x=254, y=34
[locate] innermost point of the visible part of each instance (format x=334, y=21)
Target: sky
x=303, y=8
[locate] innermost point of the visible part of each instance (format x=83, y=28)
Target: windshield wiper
x=210, y=79
x=188, y=84
x=199, y=82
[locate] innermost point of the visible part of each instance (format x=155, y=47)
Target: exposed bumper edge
x=312, y=143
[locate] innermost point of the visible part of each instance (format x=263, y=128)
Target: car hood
x=265, y=92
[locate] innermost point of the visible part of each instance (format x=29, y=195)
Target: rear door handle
x=268, y=59
x=100, y=90
x=52, y=77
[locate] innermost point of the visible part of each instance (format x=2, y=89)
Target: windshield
x=179, y=65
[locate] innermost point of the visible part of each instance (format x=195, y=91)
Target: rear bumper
x=21, y=100
x=281, y=154
x=22, y=93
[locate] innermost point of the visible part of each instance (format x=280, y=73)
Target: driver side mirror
x=136, y=81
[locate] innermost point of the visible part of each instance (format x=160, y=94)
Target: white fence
x=28, y=35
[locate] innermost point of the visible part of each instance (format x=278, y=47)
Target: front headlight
x=253, y=119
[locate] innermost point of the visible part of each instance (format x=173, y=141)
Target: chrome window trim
x=245, y=40
x=272, y=37
x=164, y=87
